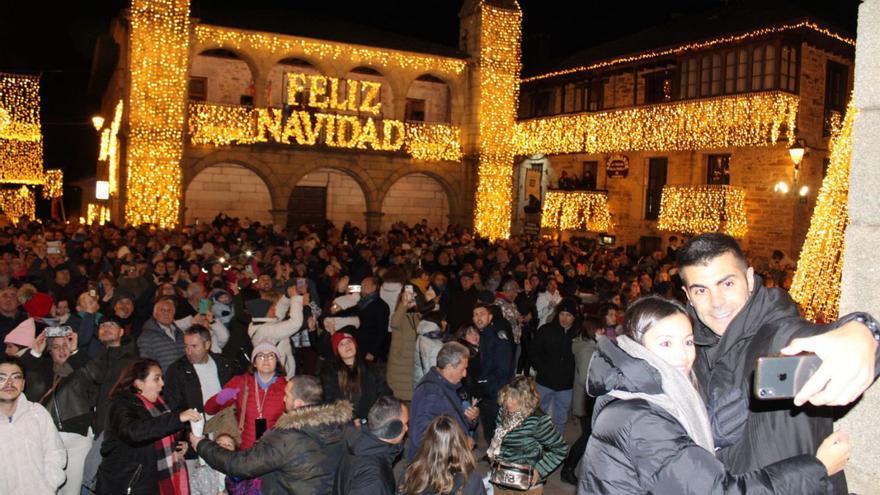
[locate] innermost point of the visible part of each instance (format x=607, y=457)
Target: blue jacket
x=496, y=360
x=433, y=396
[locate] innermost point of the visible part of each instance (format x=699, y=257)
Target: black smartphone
x=260, y=427
x=782, y=377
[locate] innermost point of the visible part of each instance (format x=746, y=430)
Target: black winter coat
x=182, y=387
x=637, y=447
x=129, y=451
x=551, y=356
x=72, y=403
x=769, y=430
x=461, y=307
x=373, y=329
x=113, y=361
x=372, y=386
x=366, y=465
x=298, y=455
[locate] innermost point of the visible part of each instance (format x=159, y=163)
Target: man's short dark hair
x=200, y=330
x=308, y=389
x=705, y=247
x=384, y=419
x=4, y=359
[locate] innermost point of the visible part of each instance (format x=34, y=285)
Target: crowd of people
x=231, y=357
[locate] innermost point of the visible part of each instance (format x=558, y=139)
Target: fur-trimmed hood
x=335, y=413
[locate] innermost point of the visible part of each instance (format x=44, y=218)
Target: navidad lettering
x=309, y=128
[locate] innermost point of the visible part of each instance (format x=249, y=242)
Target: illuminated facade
x=700, y=128
x=212, y=114
x=215, y=113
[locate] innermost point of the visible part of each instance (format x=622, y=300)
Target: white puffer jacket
x=35, y=457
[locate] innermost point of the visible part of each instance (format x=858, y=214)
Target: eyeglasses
x=265, y=357
x=14, y=378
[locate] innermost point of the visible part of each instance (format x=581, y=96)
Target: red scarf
x=173, y=478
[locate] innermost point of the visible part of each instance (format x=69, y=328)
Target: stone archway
x=228, y=188
x=413, y=197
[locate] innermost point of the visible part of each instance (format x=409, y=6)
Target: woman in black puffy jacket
x=651, y=432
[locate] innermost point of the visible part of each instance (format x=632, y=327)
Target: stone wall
x=282, y=167
x=771, y=216
x=413, y=198
x=230, y=189
x=345, y=199
x=228, y=79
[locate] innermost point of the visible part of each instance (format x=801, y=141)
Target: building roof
x=732, y=20
x=315, y=26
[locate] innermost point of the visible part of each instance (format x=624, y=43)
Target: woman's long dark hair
x=645, y=312
x=349, y=377
x=137, y=370
x=443, y=453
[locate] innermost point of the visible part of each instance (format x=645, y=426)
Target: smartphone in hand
x=782, y=377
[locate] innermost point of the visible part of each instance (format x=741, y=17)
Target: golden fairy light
x=160, y=35
x=53, y=186
x=744, y=120
x=703, y=208
x=18, y=202
x=816, y=284
x=498, y=78
x=221, y=125
x=689, y=47
x=21, y=139
x=576, y=210
x=236, y=40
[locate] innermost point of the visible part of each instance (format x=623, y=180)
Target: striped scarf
x=173, y=478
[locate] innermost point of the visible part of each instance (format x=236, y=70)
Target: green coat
x=536, y=442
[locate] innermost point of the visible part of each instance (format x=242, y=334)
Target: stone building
x=733, y=57
x=265, y=112
x=241, y=69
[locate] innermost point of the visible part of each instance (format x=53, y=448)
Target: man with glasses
x=26, y=429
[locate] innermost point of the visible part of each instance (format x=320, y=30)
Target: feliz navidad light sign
x=321, y=110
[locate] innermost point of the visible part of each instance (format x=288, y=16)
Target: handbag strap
x=243, y=406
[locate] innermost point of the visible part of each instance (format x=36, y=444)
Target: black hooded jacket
x=297, y=456
x=638, y=447
x=768, y=431
x=550, y=353
x=366, y=465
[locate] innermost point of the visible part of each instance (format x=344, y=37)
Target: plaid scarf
x=173, y=478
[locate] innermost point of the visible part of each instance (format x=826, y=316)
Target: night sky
x=58, y=41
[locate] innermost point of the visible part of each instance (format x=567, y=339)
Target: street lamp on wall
x=796, y=152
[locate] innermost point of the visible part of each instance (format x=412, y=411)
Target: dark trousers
x=488, y=412
x=580, y=445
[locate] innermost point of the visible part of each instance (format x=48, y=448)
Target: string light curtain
x=703, y=208
x=287, y=46
x=702, y=45
x=18, y=202
x=160, y=35
x=816, y=284
x=731, y=121
x=221, y=125
x=53, y=186
x=498, y=78
x=21, y=139
x=576, y=210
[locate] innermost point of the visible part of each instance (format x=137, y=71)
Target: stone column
x=374, y=220
x=861, y=273
x=279, y=218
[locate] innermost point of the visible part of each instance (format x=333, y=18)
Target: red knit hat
x=39, y=306
x=337, y=339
